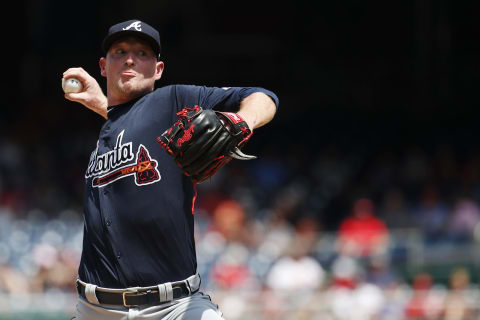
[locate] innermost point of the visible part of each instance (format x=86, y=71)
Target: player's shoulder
x=162, y=92
x=164, y=89
x=175, y=93
x=186, y=87
x=175, y=89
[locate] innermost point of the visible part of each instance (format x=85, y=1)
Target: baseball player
x=138, y=259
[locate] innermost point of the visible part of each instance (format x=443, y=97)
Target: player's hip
x=195, y=306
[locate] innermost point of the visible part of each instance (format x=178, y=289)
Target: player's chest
x=123, y=150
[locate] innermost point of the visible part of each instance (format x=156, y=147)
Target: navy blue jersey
x=138, y=204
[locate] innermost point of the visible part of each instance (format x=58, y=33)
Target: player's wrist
x=248, y=118
x=100, y=105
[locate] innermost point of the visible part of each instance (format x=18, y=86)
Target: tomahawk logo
x=105, y=168
x=136, y=25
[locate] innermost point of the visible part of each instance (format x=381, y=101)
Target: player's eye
x=142, y=53
x=119, y=51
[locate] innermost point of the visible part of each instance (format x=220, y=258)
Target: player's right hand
x=91, y=96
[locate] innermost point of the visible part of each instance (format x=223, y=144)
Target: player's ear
x=159, y=70
x=102, y=63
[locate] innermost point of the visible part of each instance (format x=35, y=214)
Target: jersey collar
x=116, y=109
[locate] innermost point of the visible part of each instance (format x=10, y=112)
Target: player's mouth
x=128, y=74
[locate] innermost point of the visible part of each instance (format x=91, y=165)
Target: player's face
x=131, y=69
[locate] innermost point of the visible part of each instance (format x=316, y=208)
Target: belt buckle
x=124, y=295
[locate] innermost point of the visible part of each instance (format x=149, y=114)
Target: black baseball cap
x=134, y=28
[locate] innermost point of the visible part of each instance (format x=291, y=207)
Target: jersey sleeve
x=222, y=99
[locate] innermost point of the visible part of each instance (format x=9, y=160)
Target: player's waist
x=138, y=296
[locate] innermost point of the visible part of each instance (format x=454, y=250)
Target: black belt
x=137, y=297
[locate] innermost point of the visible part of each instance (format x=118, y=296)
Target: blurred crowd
x=332, y=235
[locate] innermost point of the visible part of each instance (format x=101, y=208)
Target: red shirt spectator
x=362, y=233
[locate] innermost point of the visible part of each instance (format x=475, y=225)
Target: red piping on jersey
x=195, y=195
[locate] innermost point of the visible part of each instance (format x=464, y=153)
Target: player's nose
x=130, y=61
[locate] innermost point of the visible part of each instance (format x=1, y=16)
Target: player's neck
x=117, y=99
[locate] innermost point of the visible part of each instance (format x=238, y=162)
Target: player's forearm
x=257, y=109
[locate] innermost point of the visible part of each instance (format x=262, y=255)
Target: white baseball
x=71, y=85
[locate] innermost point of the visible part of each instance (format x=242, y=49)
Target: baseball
x=71, y=85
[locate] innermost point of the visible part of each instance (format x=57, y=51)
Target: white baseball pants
x=198, y=306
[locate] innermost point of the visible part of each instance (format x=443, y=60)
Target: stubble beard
x=132, y=90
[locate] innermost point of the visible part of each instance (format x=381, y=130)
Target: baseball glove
x=202, y=141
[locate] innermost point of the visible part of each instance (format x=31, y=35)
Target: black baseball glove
x=202, y=141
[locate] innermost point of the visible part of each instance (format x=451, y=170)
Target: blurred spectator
x=394, y=211
x=231, y=268
x=464, y=217
x=229, y=220
x=288, y=202
x=12, y=281
x=380, y=272
x=57, y=269
x=296, y=270
x=460, y=303
x=362, y=234
x=425, y=303
x=349, y=296
x=345, y=272
x=431, y=215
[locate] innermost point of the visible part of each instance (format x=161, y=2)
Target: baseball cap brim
x=109, y=40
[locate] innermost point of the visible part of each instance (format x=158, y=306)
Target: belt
x=132, y=297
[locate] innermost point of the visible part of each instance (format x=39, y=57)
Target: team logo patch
x=110, y=166
x=136, y=25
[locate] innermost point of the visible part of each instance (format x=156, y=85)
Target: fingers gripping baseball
x=80, y=87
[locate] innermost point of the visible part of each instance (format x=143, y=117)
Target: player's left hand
x=202, y=141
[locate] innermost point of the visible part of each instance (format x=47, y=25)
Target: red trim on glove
x=233, y=116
